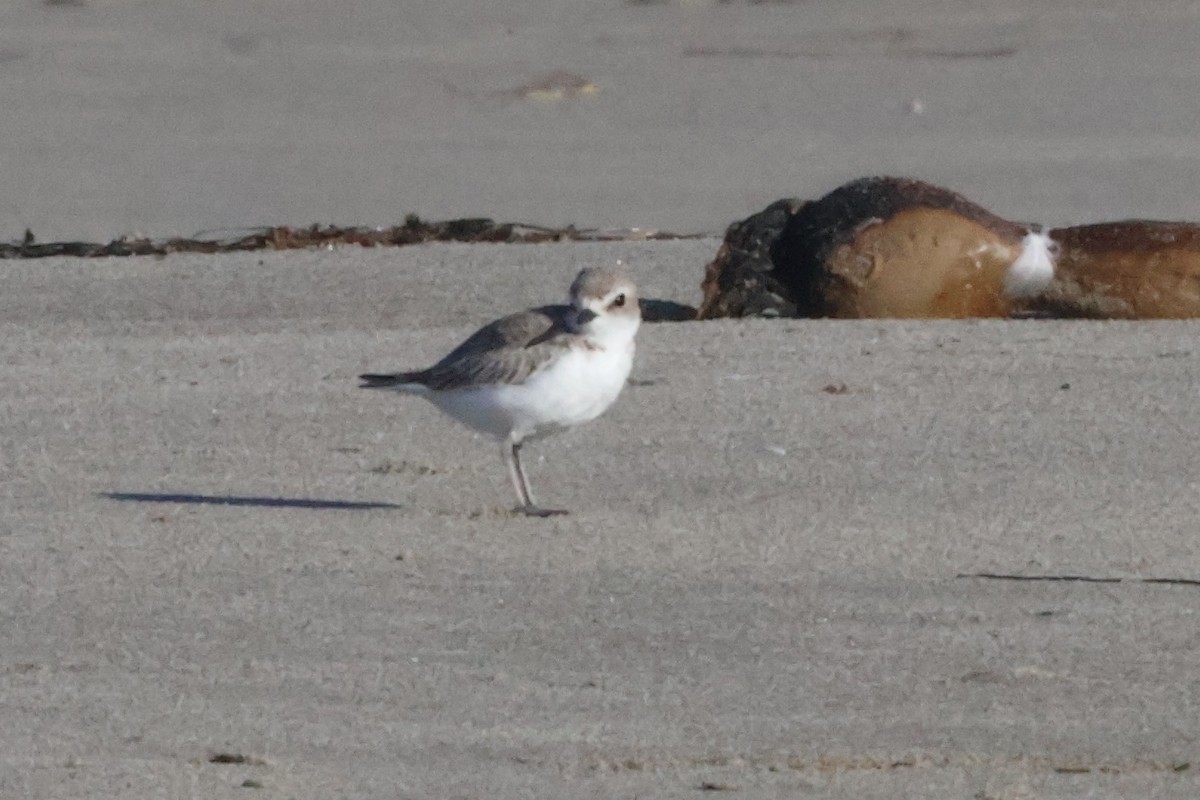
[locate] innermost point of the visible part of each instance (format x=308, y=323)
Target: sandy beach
x=215, y=545
x=805, y=558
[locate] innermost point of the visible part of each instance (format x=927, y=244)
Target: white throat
x=612, y=330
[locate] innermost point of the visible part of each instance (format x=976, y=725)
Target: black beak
x=581, y=317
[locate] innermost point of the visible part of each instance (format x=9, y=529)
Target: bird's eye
x=620, y=301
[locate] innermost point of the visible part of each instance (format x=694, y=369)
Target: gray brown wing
x=508, y=350
x=516, y=330
x=492, y=367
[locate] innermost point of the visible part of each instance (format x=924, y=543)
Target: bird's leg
x=512, y=458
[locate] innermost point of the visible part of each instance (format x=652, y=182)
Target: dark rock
x=890, y=241
x=740, y=281
x=875, y=247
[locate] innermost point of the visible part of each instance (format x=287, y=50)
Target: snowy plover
x=536, y=372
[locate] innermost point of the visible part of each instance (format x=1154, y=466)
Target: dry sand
x=756, y=589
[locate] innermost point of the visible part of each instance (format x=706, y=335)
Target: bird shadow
x=241, y=500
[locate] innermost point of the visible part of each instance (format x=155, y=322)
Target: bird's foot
x=537, y=511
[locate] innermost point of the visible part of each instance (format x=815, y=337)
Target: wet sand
x=172, y=118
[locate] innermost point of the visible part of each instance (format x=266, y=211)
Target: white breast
x=577, y=387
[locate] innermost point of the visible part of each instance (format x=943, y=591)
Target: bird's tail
x=392, y=381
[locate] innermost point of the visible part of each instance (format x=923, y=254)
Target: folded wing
x=509, y=350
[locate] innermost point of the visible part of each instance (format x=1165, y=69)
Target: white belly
x=576, y=388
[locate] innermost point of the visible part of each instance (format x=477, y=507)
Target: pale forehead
x=599, y=282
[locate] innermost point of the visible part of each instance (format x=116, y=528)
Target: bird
x=537, y=372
